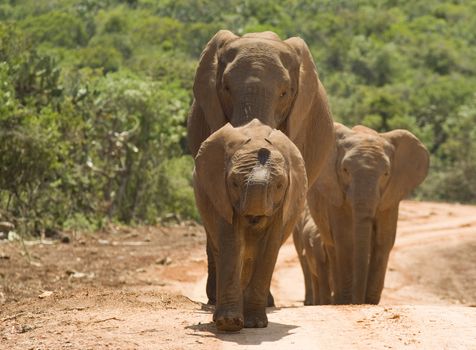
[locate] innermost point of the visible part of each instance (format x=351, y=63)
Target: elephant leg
x=324, y=284
x=315, y=291
x=257, y=292
x=377, y=270
x=343, y=274
x=212, y=278
x=386, y=228
x=308, y=294
x=228, y=314
x=308, y=285
x=332, y=274
x=341, y=223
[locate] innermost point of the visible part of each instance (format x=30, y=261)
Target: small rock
x=21, y=328
x=170, y=219
x=132, y=235
x=13, y=236
x=78, y=275
x=6, y=226
x=45, y=294
x=36, y=264
x=52, y=233
x=140, y=270
x=103, y=241
x=164, y=261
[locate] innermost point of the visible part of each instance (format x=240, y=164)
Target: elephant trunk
x=364, y=208
x=361, y=258
x=254, y=199
x=254, y=102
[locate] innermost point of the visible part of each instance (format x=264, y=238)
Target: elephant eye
x=345, y=170
x=235, y=184
x=227, y=88
x=386, y=173
x=279, y=185
x=284, y=93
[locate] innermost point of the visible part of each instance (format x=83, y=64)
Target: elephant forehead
x=245, y=159
x=365, y=141
x=367, y=155
x=255, y=45
x=272, y=53
x=256, y=130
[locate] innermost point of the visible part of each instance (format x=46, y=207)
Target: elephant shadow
x=247, y=336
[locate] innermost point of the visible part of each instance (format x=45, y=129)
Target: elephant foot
x=256, y=319
x=308, y=301
x=228, y=320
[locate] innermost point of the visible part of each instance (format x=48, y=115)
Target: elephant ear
x=204, y=86
x=409, y=166
x=309, y=124
x=327, y=183
x=297, y=188
x=210, y=169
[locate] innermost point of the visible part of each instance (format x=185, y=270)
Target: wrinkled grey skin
x=356, y=198
x=250, y=187
x=258, y=75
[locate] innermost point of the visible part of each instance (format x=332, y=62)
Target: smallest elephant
x=314, y=261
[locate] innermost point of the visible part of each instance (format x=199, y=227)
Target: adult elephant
x=357, y=197
x=260, y=76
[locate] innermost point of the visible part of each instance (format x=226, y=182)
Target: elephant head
x=252, y=172
x=369, y=174
x=261, y=76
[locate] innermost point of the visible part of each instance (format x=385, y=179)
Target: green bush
x=57, y=29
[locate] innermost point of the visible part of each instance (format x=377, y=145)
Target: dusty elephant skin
x=250, y=186
x=314, y=261
x=261, y=76
x=356, y=199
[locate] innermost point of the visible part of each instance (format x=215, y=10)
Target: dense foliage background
x=94, y=94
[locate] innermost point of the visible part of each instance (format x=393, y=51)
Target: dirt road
x=143, y=289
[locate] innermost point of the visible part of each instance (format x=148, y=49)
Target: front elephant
x=250, y=186
x=358, y=195
x=261, y=76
